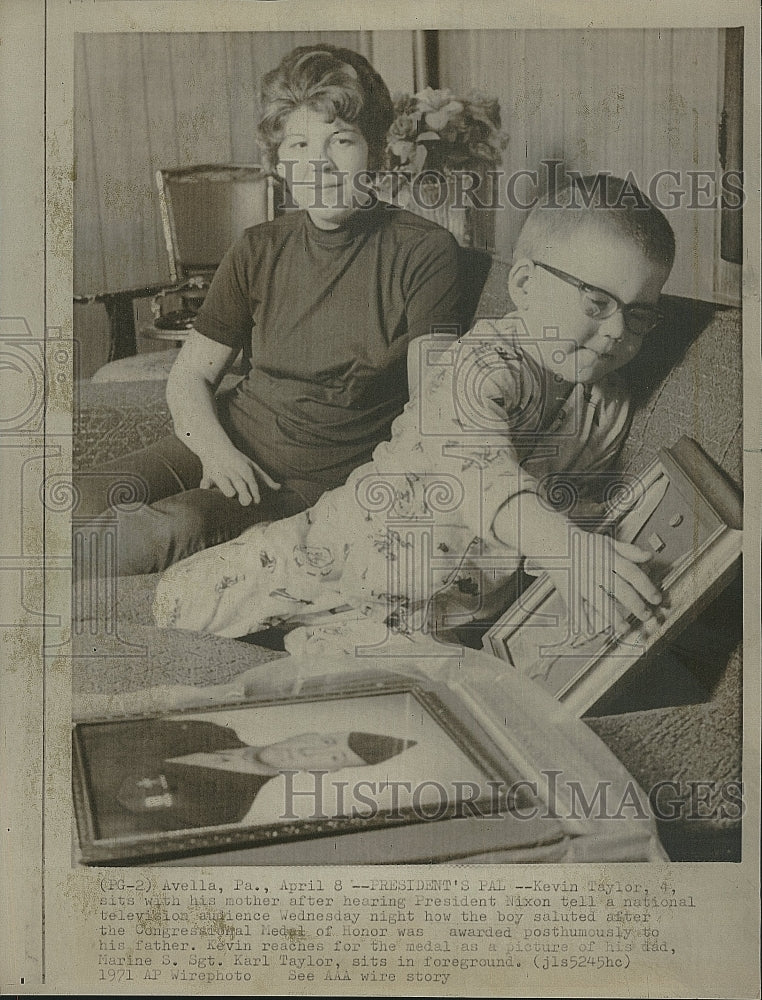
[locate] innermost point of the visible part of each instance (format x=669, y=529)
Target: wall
x=617, y=100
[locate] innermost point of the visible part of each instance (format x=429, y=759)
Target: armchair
x=203, y=209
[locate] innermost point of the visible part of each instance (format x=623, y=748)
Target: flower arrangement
x=435, y=130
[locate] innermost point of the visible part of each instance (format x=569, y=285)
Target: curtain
x=640, y=100
x=150, y=100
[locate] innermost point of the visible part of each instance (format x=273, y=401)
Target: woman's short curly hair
x=336, y=82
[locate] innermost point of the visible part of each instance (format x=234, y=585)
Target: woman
x=323, y=301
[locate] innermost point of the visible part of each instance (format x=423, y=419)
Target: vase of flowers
x=440, y=150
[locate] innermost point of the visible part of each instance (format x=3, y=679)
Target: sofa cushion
x=691, y=384
x=115, y=418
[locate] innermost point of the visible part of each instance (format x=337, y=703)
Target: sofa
x=679, y=720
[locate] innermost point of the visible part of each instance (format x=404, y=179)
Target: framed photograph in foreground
x=376, y=762
x=271, y=771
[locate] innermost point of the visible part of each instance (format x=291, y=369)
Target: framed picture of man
x=397, y=768
x=686, y=514
x=273, y=770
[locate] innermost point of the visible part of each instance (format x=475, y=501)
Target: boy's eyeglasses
x=598, y=304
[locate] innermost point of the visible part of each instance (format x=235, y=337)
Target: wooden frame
x=250, y=199
x=681, y=508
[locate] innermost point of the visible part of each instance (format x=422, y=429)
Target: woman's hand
x=234, y=474
x=192, y=383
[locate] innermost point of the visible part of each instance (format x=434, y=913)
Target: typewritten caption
x=401, y=931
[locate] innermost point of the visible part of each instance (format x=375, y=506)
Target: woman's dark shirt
x=327, y=317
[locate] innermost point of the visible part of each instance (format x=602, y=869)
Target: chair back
x=474, y=268
x=205, y=208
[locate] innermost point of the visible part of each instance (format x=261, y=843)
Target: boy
x=423, y=535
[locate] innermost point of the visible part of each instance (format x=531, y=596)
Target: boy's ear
x=280, y=170
x=519, y=282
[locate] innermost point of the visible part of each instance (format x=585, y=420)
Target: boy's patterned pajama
x=408, y=539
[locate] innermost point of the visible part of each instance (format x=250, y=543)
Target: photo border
x=48, y=903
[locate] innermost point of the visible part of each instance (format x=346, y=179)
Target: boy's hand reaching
x=600, y=580
x=604, y=584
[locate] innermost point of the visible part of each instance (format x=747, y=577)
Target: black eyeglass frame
x=625, y=308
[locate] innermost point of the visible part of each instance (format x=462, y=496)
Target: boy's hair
x=336, y=82
x=602, y=200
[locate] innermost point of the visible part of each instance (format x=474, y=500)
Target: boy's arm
x=458, y=423
x=599, y=578
x=485, y=401
x=455, y=423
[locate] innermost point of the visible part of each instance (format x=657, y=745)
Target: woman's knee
x=163, y=469
x=96, y=492
x=198, y=519
x=150, y=538
x=146, y=539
